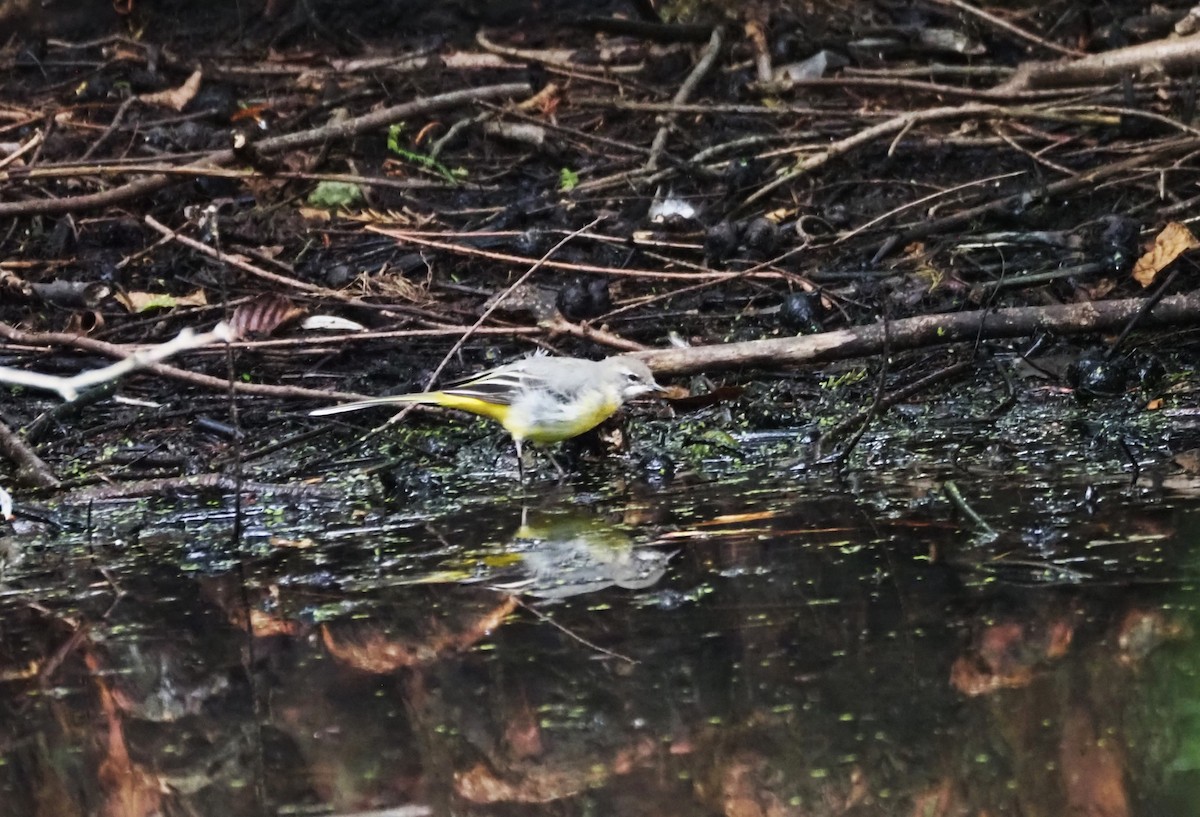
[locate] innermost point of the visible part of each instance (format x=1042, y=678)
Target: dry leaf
x=11, y=282
x=1097, y=290
x=262, y=316
x=84, y=323
x=176, y=98
x=683, y=400
x=1174, y=240
x=142, y=301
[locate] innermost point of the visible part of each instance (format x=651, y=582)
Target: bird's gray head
x=631, y=376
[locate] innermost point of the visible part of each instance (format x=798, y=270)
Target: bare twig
x=499, y=299
x=1000, y=22
x=950, y=489
x=890, y=399
x=30, y=144
x=271, y=145
x=591, y=645
x=202, y=483
x=421, y=240
x=1083, y=180
x=705, y=64
x=118, y=117
x=235, y=261
x=220, y=384
x=68, y=388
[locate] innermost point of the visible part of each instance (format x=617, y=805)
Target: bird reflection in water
x=564, y=553
x=556, y=554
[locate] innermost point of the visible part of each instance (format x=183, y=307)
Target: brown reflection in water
x=787, y=664
x=1060, y=679
x=372, y=650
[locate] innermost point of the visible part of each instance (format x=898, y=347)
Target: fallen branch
x=905, y=122
x=1173, y=56
x=265, y=147
x=703, y=66
x=30, y=467
x=194, y=484
x=1000, y=22
x=118, y=351
x=68, y=388
x=922, y=332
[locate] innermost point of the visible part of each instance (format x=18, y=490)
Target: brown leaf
x=479, y=784
x=176, y=98
x=683, y=400
x=263, y=625
x=84, y=323
x=971, y=678
x=1097, y=290
x=1174, y=240
x=523, y=734
x=936, y=801
x=11, y=282
x=262, y=316
x=143, y=301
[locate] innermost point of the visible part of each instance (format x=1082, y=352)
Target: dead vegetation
x=801, y=183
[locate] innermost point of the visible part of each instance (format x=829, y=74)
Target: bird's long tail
x=430, y=398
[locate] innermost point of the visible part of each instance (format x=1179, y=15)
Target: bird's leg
x=520, y=460
x=561, y=473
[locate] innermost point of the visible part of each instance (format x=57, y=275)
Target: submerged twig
x=950, y=489
x=591, y=645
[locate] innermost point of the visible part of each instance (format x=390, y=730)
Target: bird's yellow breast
x=545, y=420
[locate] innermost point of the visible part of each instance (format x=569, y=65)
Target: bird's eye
x=633, y=377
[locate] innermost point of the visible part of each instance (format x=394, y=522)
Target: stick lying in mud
x=69, y=388
x=920, y=332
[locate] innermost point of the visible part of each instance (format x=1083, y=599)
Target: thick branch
x=1171, y=57
x=919, y=332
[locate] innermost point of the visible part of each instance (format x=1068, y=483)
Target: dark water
x=769, y=646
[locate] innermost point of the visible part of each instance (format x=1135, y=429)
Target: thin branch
x=266, y=147
x=1000, y=22
x=68, y=388
x=219, y=384
x=703, y=66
